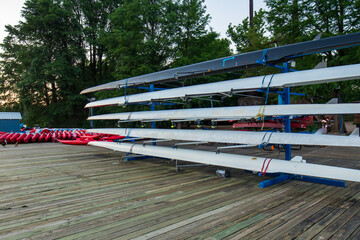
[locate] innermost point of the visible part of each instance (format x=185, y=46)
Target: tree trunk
x=54, y=92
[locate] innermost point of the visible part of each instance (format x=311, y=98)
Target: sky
x=222, y=12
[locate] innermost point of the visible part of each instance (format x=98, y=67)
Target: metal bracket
x=234, y=146
x=156, y=141
x=285, y=177
x=189, y=143
x=179, y=166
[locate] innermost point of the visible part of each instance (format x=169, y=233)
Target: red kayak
x=14, y=137
x=75, y=142
x=35, y=137
x=64, y=135
x=9, y=136
x=57, y=133
x=68, y=135
x=42, y=137
x=48, y=137
x=91, y=137
x=77, y=133
x=54, y=137
x=28, y=138
x=45, y=131
x=2, y=137
x=115, y=137
x=21, y=138
x=73, y=136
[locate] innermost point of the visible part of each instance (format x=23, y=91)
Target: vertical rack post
x=91, y=114
x=287, y=122
x=152, y=108
x=91, y=111
x=153, y=125
x=284, y=98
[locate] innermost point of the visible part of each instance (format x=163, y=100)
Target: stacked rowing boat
x=295, y=166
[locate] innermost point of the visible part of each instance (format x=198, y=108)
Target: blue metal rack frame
x=284, y=98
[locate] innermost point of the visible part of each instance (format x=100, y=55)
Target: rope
x=265, y=143
x=263, y=58
x=268, y=88
x=262, y=83
x=128, y=133
x=261, y=113
x=263, y=171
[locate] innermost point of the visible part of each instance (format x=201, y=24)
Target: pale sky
x=223, y=12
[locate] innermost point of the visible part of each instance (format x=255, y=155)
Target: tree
x=301, y=20
x=249, y=38
x=206, y=47
x=287, y=20
x=40, y=62
x=141, y=36
x=149, y=36
x=95, y=20
x=192, y=23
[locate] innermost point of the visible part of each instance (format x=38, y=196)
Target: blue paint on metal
x=137, y=158
x=270, y=182
x=227, y=59
x=281, y=92
x=330, y=182
x=287, y=122
x=285, y=177
x=148, y=88
x=263, y=57
x=152, y=106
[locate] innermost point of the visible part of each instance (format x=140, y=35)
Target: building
x=10, y=121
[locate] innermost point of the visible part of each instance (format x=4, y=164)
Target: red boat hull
x=74, y=142
x=28, y=138
x=21, y=138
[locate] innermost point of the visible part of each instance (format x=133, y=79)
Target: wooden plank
x=198, y=214
x=279, y=220
x=331, y=211
x=349, y=228
x=275, y=208
x=82, y=225
x=334, y=226
x=94, y=196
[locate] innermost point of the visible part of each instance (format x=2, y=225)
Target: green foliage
x=141, y=37
x=192, y=22
x=148, y=36
x=40, y=62
x=291, y=21
x=206, y=47
x=249, y=38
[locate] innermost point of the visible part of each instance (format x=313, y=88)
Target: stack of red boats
x=84, y=138
x=76, y=137
x=24, y=137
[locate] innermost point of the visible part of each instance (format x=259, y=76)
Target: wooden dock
x=55, y=191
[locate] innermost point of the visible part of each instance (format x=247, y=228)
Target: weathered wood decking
x=55, y=191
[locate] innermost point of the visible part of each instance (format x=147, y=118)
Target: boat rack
x=278, y=57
